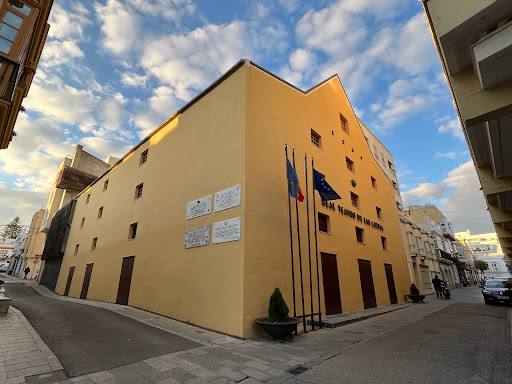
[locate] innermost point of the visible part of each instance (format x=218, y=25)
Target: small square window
x=88, y=198
x=82, y=223
x=343, y=123
x=105, y=185
x=355, y=199
x=143, y=157
x=384, y=242
x=76, y=249
x=379, y=213
x=374, y=182
x=100, y=212
x=350, y=165
x=94, y=243
x=323, y=223
x=133, y=231
x=360, y=235
x=138, y=191
x=316, y=139
x=391, y=166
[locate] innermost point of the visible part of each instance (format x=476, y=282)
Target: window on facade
x=76, y=249
x=382, y=157
x=350, y=165
x=384, y=242
x=375, y=153
x=343, y=123
x=355, y=199
x=323, y=223
x=379, y=212
x=374, y=182
x=143, y=157
x=133, y=231
x=88, y=198
x=395, y=186
x=82, y=223
x=94, y=243
x=360, y=235
x=391, y=166
x=100, y=212
x=138, y=191
x=13, y=25
x=316, y=139
x=105, y=185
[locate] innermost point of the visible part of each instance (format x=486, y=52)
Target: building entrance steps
x=341, y=319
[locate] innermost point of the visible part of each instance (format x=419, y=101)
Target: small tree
x=277, y=308
x=481, y=266
x=414, y=291
x=12, y=230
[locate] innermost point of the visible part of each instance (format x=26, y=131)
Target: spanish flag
x=407, y=213
x=293, y=183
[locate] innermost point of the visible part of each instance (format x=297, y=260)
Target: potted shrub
x=415, y=294
x=30, y=68
x=278, y=324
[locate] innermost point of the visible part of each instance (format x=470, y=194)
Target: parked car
x=497, y=290
x=4, y=266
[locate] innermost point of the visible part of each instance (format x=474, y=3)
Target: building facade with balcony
x=474, y=42
x=23, y=33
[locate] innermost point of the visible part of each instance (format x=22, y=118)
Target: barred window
x=143, y=157
x=374, y=182
x=138, y=191
x=350, y=165
x=133, y=231
x=323, y=223
x=360, y=235
x=343, y=123
x=355, y=199
x=316, y=139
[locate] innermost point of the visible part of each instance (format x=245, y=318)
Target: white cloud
x=168, y=9
x=458, y=197
x=301, y=59
x=103, y=148
x=68, y=25
x=19, y=202
x=131, y=79
x=120, y=26
x=447, y=155
x=451, y=126
x=60, y=52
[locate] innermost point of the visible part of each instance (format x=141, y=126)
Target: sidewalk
x=225, y=359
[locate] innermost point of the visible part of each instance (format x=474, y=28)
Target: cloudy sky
x=112, y=71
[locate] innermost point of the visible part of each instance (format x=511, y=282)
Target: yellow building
x=193, y=222
x=33, y=246
x=21, y=43
x=474, y=41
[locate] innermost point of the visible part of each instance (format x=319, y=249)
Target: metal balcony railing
x=9, y=72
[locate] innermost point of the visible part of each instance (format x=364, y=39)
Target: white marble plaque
x=197, y=237
x=199, y=207
x=228, y=198
x=227, y=230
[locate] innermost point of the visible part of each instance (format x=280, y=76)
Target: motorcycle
x=445, y=290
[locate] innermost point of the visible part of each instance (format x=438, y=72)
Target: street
x=460, y=340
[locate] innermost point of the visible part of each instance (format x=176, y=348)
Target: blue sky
x=112, y=71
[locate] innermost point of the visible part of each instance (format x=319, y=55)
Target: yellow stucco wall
x=199, y=153
x=235, y=134
x=279, y=114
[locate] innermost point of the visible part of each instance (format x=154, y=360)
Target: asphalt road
x=467, y=342
x=87, y=339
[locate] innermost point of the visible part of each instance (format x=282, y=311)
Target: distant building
x=22, y=37
x=32, y=249
x=6, y=249
x=474, y=42
x=18, y=250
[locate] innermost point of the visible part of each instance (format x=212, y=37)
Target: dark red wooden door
x=125, y=280
x=331, y=284
x=87, y=280
x=70, y=278
x=391, y=283
x=365, y=273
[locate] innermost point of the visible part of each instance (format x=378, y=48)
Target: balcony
x=10, y=98
x=412, y=250
x=492, y=57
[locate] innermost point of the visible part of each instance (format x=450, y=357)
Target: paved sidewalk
x=22, y=352
x=225, y=359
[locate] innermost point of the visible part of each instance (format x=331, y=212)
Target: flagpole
x=291, y=234
x=298, y=247
x=316, y=249
x=309, y=243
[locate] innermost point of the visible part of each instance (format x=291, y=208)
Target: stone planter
x=416, y=298
x=280, y=329
x=5, y=302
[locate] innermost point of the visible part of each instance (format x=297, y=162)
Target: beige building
x=193, y=222
x=32, y=249
x=474, y=42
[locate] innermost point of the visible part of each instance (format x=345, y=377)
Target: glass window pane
x=5, y=45
x=13, y=19
x=8, y=32
x=20, y=6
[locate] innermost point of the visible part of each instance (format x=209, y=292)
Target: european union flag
x=323, y=188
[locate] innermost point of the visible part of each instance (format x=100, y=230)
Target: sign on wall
x=197, y=237
x=199, y=207
x=228, y=198
x=227, y=230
